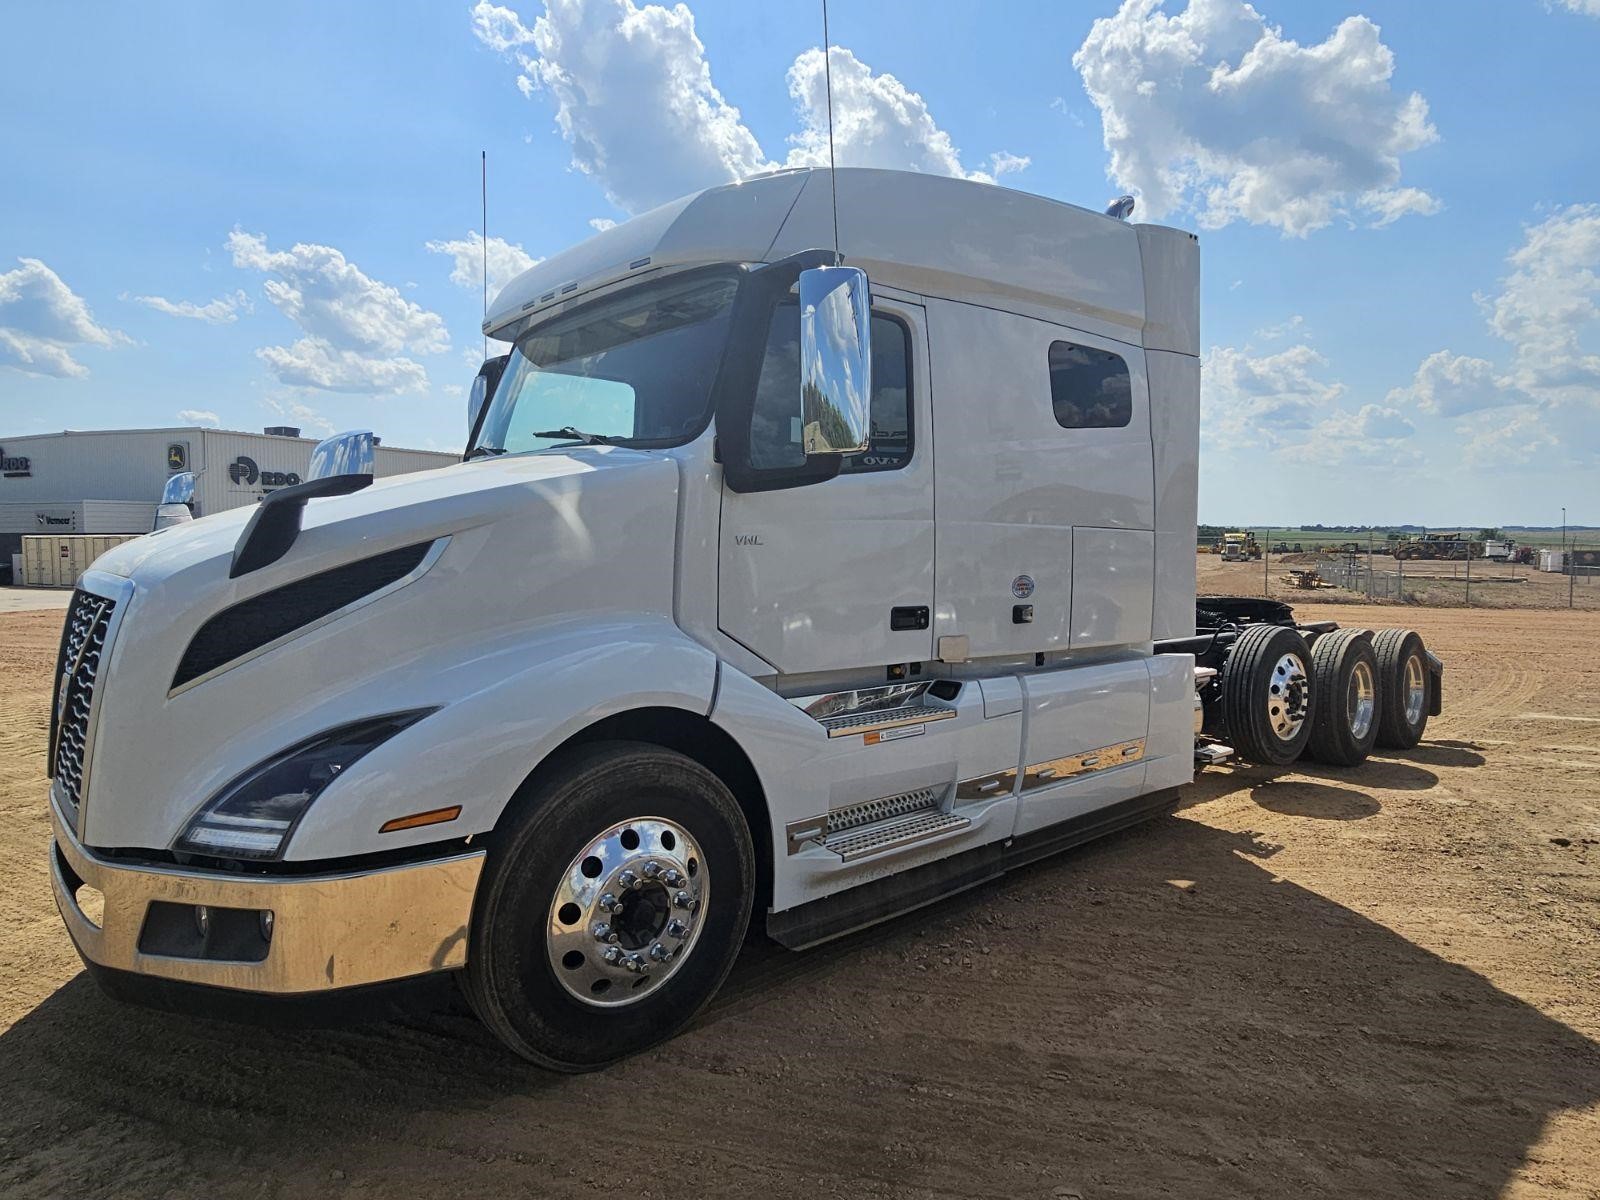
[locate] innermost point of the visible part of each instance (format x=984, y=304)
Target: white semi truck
x=770, y=589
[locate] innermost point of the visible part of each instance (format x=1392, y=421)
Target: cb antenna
x=833, y=174
x=483, y=191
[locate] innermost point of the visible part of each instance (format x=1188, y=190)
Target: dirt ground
x=1432, y=584
x=1381, y=983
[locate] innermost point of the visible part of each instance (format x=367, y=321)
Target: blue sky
x=229, y=210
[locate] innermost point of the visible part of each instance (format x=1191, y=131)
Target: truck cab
x=780, y=583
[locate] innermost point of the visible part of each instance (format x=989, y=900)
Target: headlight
x=255, y=814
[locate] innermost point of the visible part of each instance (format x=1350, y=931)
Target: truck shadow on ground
x=1156, y=1014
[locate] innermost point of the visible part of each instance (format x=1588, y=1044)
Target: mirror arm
x=275, y=524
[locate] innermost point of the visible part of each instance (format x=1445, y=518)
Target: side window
x=775, y=437
x=1089, y=388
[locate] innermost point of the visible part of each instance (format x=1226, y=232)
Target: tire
x=1268, y=699
x=1403, y=683
x=1344, y=675
x=539, y=979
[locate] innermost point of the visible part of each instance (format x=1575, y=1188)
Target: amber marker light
x=435, y=816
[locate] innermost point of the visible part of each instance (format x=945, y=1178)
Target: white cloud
x=222, y=311
x=356, y=326
x=1003, y=163
x=1448, y=385
x=300, y=413
x=1589, y=8
x=506, y=259
x=1270, y=400
x=43, y=321
x=877, y=122
x=601, y=224
x=1507, y=439
x=1372, y=436
x=314, y=362
x=1215, y=110
x=1271, y=333
x=199, y=416
x=634, y=97
x=1546, y=309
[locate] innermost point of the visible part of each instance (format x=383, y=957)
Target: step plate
x=889, y=718
x=890, y=835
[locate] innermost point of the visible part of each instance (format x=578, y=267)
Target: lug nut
x=684, y=900
x=628, y=880
x=660, y=953
x=673, y=878
x=612, y=955
x=604, y=933
x=676, y=928
x=609, y=903
x=652, y=869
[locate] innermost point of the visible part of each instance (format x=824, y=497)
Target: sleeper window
x=774, y=442
x=1089, y=388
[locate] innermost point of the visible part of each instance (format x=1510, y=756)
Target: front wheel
x=612, y=907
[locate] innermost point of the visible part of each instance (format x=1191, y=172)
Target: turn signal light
x=436, y=816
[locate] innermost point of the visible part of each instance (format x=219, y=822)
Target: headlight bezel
x=253, y=817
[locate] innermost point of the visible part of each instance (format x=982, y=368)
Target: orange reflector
x=435, y=816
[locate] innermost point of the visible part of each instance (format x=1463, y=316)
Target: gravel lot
x=1377, y=983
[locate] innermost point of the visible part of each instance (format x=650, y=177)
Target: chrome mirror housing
x=179, y=489
x=177, y=501
x=352, y=453
x=835, y=359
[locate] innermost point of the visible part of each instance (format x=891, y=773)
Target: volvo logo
x=243, y=470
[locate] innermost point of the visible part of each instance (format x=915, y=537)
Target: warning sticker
x=892, y=735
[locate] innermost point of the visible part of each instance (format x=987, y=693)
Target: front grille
x=83, y=642
x=256, y=622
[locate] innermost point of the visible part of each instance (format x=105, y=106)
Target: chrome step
x=881, y=809
x=889, y=835
x=891, y=718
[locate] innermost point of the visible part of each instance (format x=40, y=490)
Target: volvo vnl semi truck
x=782, y=582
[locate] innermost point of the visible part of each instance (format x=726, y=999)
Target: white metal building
x=109, y=481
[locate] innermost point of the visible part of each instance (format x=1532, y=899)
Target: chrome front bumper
x=327, y=931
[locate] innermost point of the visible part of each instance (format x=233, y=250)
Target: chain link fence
x=1247, y=563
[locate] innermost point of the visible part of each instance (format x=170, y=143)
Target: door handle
x=907, y=616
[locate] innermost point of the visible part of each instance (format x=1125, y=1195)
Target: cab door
x=836, y=575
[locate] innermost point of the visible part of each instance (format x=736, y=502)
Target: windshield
x=634, y=369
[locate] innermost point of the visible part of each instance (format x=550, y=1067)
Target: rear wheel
x=1344, y=674
x=612, y=907
x=1268, y=700
x=1402, y=688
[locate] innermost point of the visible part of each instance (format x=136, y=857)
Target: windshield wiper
x=484, y=452
x=568, y=431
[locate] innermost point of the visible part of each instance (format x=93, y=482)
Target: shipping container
x=58, y=560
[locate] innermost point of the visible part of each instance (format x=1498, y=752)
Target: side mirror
x=835, y=360
x=179, y=489
x=352, y=453
x=482, y=390
x=177, y=501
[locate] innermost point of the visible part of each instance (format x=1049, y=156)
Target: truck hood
x=466, y=492
x=514, y=543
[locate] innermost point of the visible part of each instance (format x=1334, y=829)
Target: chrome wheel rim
x=627, y=912
x=1416, y=685
x=1288, y=697
x=1361, y=701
